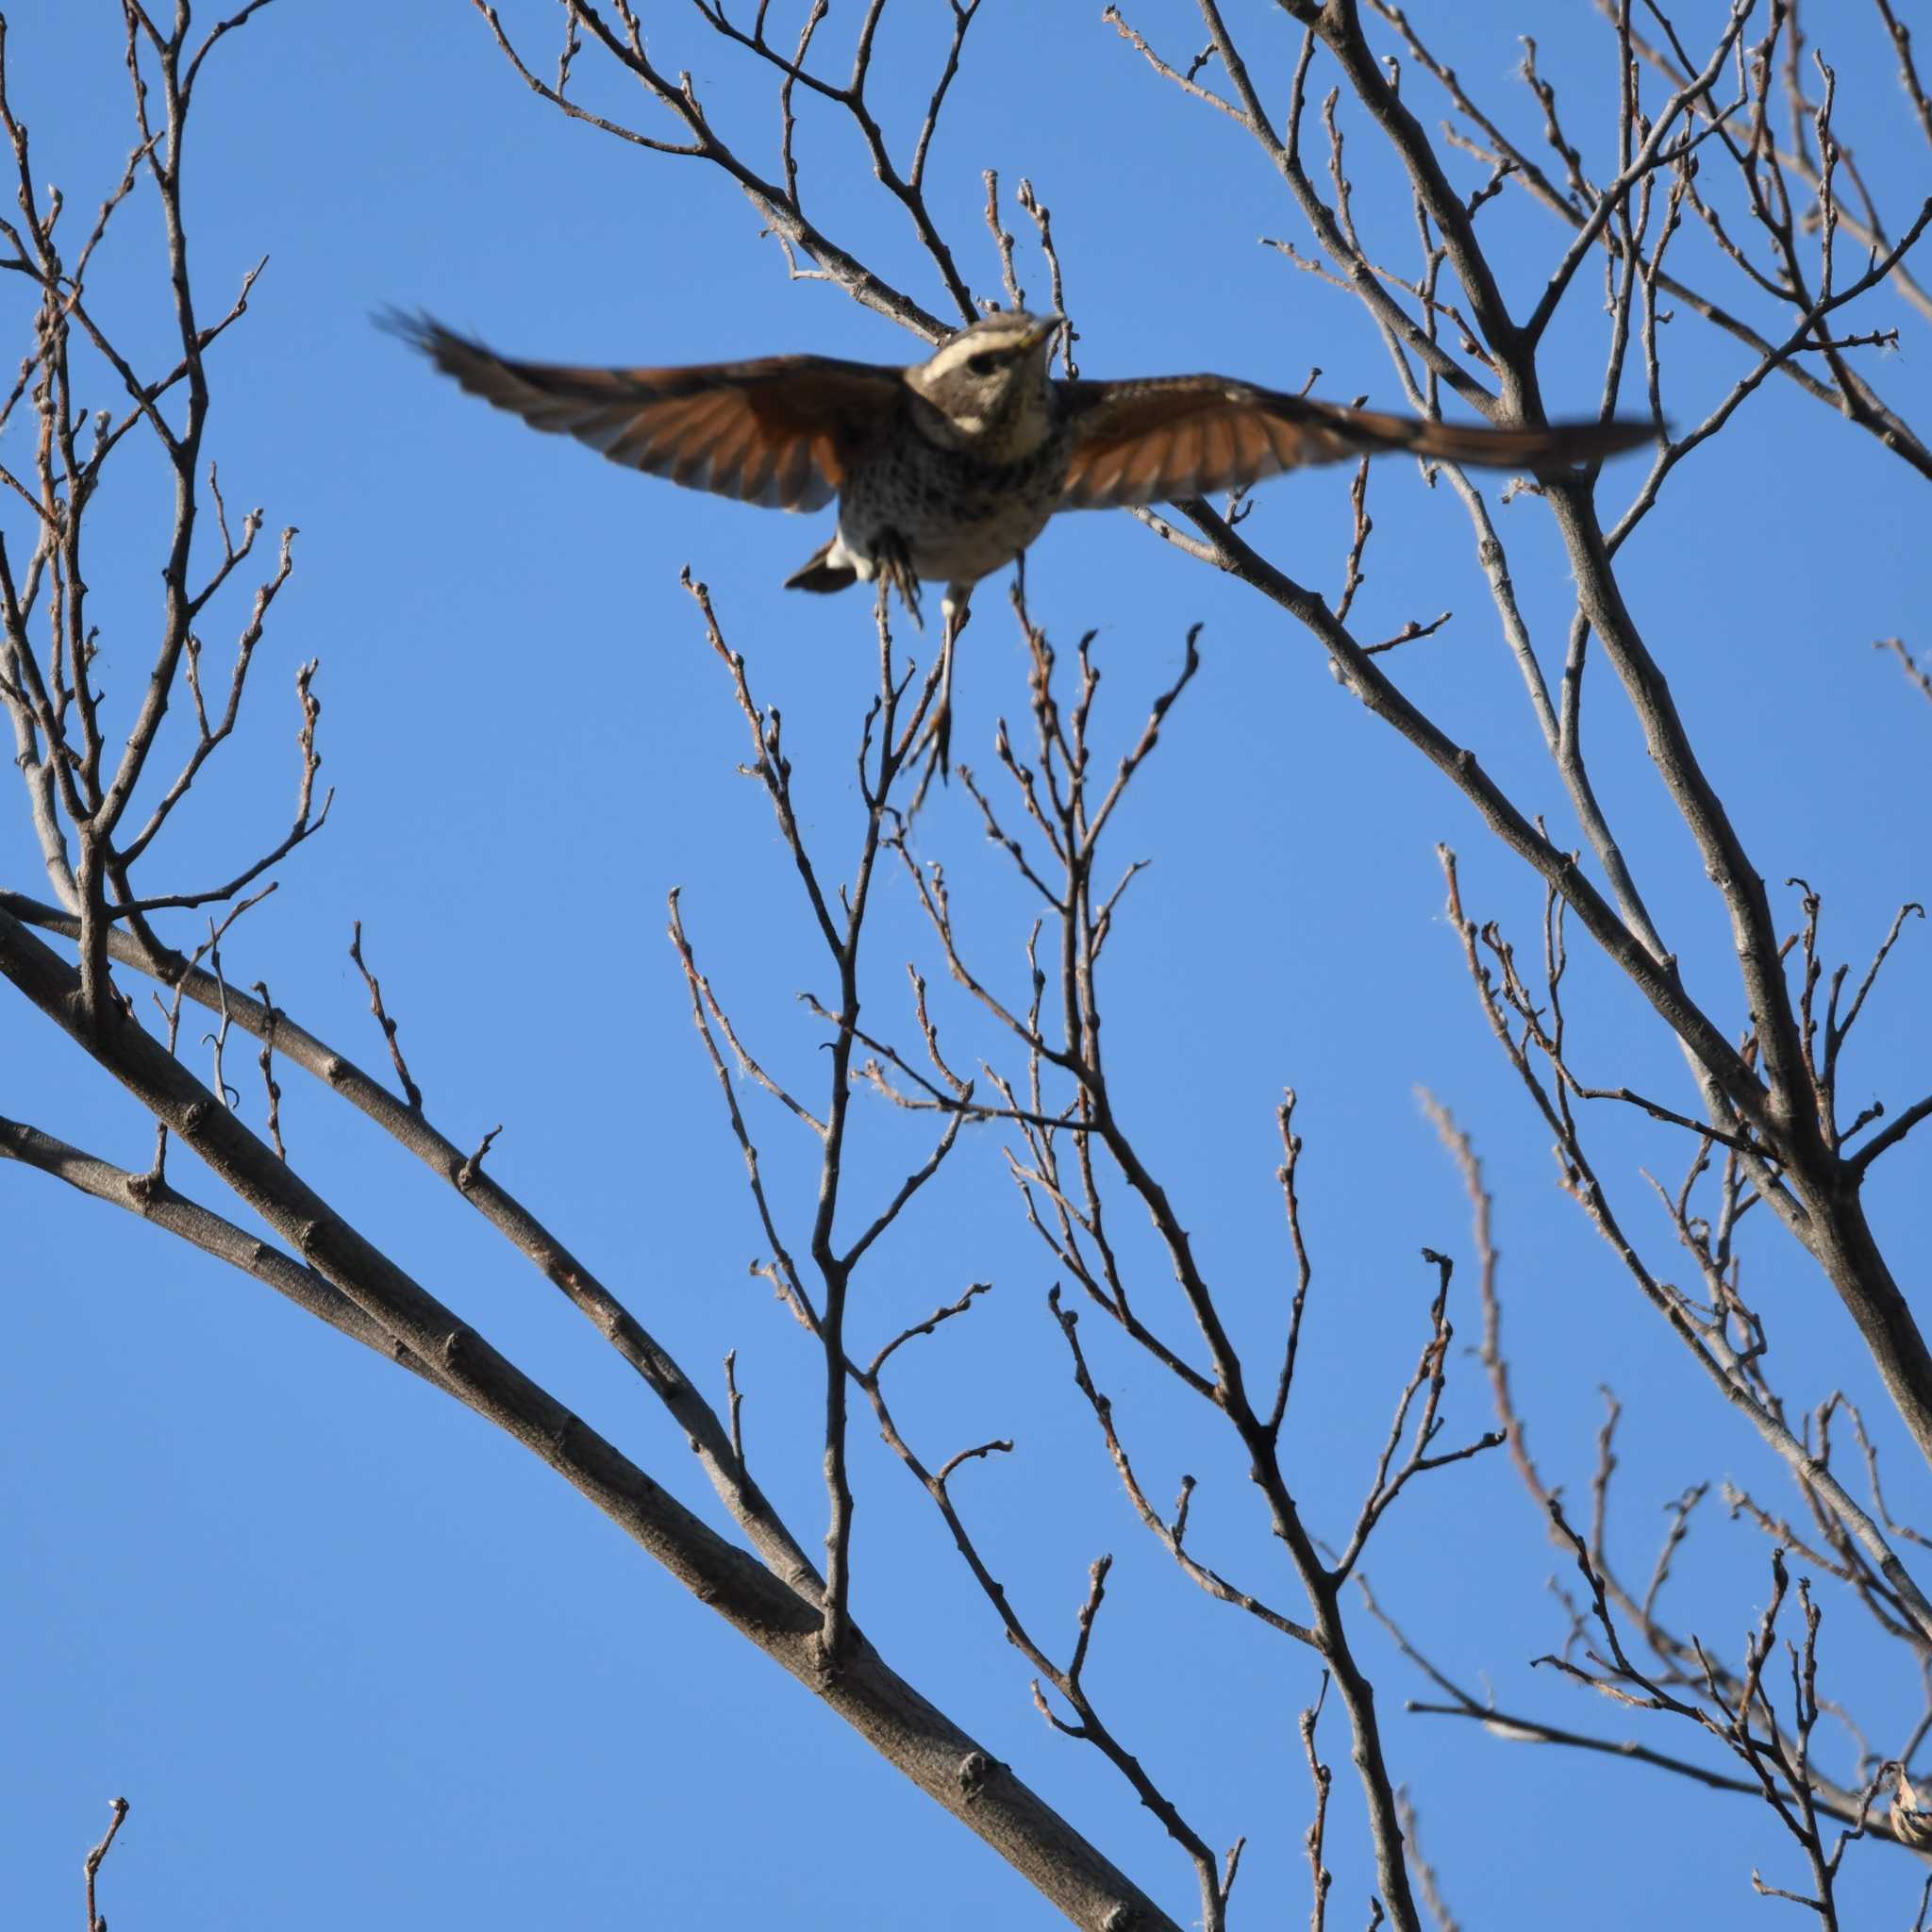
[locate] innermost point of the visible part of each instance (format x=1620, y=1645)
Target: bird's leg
x=955, y=614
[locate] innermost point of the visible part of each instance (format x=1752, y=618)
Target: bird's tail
x=819, y=573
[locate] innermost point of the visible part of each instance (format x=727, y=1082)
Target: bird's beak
x=1044, y=330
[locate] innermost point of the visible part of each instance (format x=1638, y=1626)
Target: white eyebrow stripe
x=980, y=342
x=945, y=360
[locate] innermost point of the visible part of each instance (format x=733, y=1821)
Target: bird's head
x=988, y=386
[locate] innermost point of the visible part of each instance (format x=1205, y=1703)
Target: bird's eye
x=982, y=365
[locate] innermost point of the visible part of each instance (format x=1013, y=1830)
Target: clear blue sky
x=356, y=1659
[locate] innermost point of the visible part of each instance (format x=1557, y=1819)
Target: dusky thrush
x=947, y=470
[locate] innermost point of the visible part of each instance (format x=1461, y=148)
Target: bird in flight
x=946, y=471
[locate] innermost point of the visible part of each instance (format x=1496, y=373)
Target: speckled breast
x=958, y=519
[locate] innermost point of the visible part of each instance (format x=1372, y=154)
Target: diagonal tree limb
x=909, y=1732
x=709, y=1440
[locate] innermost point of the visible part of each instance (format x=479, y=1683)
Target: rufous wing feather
x=783, y=431
x=1140, y=442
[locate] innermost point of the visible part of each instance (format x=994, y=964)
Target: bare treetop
x=1042, y=1427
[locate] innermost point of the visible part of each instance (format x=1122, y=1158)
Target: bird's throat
x=1016, y=430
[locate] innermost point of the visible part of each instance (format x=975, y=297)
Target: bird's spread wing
x=1137, y=443
x=782, y=431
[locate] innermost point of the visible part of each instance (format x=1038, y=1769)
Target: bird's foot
x=935, y=745
x=894, y=566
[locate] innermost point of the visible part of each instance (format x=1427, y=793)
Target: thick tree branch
x=940, y=1758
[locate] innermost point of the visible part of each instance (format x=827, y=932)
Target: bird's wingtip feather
x=421, y=331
